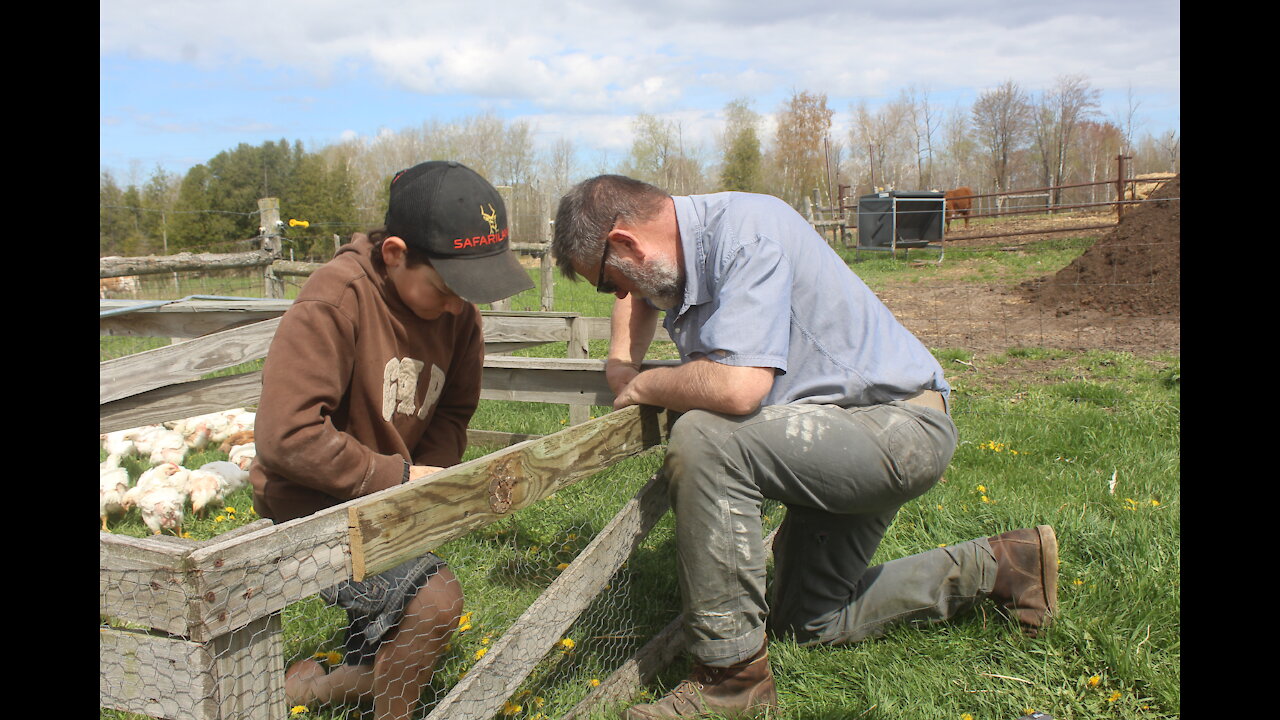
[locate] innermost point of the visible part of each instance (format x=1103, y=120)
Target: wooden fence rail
x=163, y=384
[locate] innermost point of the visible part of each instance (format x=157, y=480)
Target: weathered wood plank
x=155, y=676
x=183, y=362
x=183, y=319
x=144, y=581
x=500, y=672
x=239, y=580
x=182, y=400
x=648, y=661
x=151, y=264
x=400, y=523
x=249, y=667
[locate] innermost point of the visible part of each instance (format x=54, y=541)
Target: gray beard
x=658, y=281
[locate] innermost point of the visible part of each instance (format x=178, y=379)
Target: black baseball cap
x=446, y=210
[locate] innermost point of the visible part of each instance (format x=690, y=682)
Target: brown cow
x=125, y=285
x=959, y=202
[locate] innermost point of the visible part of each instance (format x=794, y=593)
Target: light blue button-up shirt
x=764, y=289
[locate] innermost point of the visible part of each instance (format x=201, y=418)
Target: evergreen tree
x=740, y=145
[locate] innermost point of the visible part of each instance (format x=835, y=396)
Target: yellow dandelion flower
x=229, y=509
x=966, y=716
x=942, y=544
x=567, y=643
x=1114, y=696
x=562, y=566
x=1093, y=681
x=480, y=653
x=595, y=682
x=220, y=518
x=1155, y=503
x=511, y=708
x=1078, y=581
x=986, y=499
x=297, y=709
x=485, y=640
x=982, y=488
x=539, y=701
x=464, y=628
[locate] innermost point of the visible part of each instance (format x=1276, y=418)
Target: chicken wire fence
x=503, y=568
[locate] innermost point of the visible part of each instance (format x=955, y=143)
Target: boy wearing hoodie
x=370, y=382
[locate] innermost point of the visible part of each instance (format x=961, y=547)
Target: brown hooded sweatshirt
x=354, y=384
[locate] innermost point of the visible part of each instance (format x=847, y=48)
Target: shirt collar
x=690, y=221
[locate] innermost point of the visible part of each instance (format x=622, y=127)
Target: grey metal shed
x=900, y=219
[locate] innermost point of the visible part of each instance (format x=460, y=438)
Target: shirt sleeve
x=749, y=317
x=445, y=439
x=304, y=381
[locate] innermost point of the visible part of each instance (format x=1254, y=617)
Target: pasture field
x=1086, y=440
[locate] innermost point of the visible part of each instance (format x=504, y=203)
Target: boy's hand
x=419, y=471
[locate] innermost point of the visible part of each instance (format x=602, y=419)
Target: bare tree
x=958, y=151
x=1056, y=124
x=1001, y=122
x=1170, y=141
x=658, y=155
x=882, y=138
x=1126, y=119
x=925, y=121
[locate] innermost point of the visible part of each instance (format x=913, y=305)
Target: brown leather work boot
x=744, y=690
x=1027, y=576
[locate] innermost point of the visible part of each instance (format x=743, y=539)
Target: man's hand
x=619, y=374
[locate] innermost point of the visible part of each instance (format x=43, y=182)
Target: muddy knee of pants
x=720, y=549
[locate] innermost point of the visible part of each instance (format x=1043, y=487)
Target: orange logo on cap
x=490, y=217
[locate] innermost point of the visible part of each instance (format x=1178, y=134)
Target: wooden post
x=269, y=209
x=1120, y=170
x=578, y=348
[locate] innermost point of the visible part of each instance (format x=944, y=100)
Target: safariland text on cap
x=457, y=218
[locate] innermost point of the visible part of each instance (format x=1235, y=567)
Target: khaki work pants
x=842, y=475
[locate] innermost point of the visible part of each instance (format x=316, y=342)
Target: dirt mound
x=1133, y=270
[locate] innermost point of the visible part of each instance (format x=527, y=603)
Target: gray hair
x=588, y=211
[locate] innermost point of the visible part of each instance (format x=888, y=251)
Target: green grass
x=1044, y=434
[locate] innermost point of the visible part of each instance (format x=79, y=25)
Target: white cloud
x=588, y=67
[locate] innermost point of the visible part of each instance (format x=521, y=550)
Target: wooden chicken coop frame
x=207, y=642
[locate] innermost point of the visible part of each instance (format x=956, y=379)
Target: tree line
x=1008, y=138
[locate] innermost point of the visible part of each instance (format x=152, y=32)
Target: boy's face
x=421, y=287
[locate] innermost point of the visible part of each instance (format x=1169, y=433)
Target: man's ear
x=394, y=251
x=626, y=244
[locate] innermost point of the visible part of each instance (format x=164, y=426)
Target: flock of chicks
x=162, y=492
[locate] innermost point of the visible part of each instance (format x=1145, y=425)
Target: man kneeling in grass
x=370, y=382
x=797, y=384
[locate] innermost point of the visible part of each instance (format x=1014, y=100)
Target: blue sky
x=183, y=80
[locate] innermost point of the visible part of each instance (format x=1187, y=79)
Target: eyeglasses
x=603, y=284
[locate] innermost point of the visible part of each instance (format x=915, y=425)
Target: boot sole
x=1049, y=568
